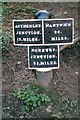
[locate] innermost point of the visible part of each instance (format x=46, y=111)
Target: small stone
x=53, y=115
x=65, y=13
x=19, y=62
x=48, y=109
x=4, y=80
x=26, y=68
x=76, y=73
x=21, y=116
x=8, y=108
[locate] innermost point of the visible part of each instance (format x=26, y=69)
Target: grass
x=17, y=11
x=31, y=97
x=34, y=96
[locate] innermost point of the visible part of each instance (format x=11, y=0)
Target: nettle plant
x=31, y=97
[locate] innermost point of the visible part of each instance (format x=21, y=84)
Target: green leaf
x=31, y=98
x=39, y=103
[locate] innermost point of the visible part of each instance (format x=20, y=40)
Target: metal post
x=44, y=75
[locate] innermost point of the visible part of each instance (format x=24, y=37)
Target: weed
x=68, y=109
x=31, y=9
x=31, y=97
x=6, y=10
x=4, y=39
x=20, y=6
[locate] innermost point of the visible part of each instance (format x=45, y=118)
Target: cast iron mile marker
x=43, y=37
x=59, y=31
x=43, y=56
x=43, y=31
x=27, y=32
